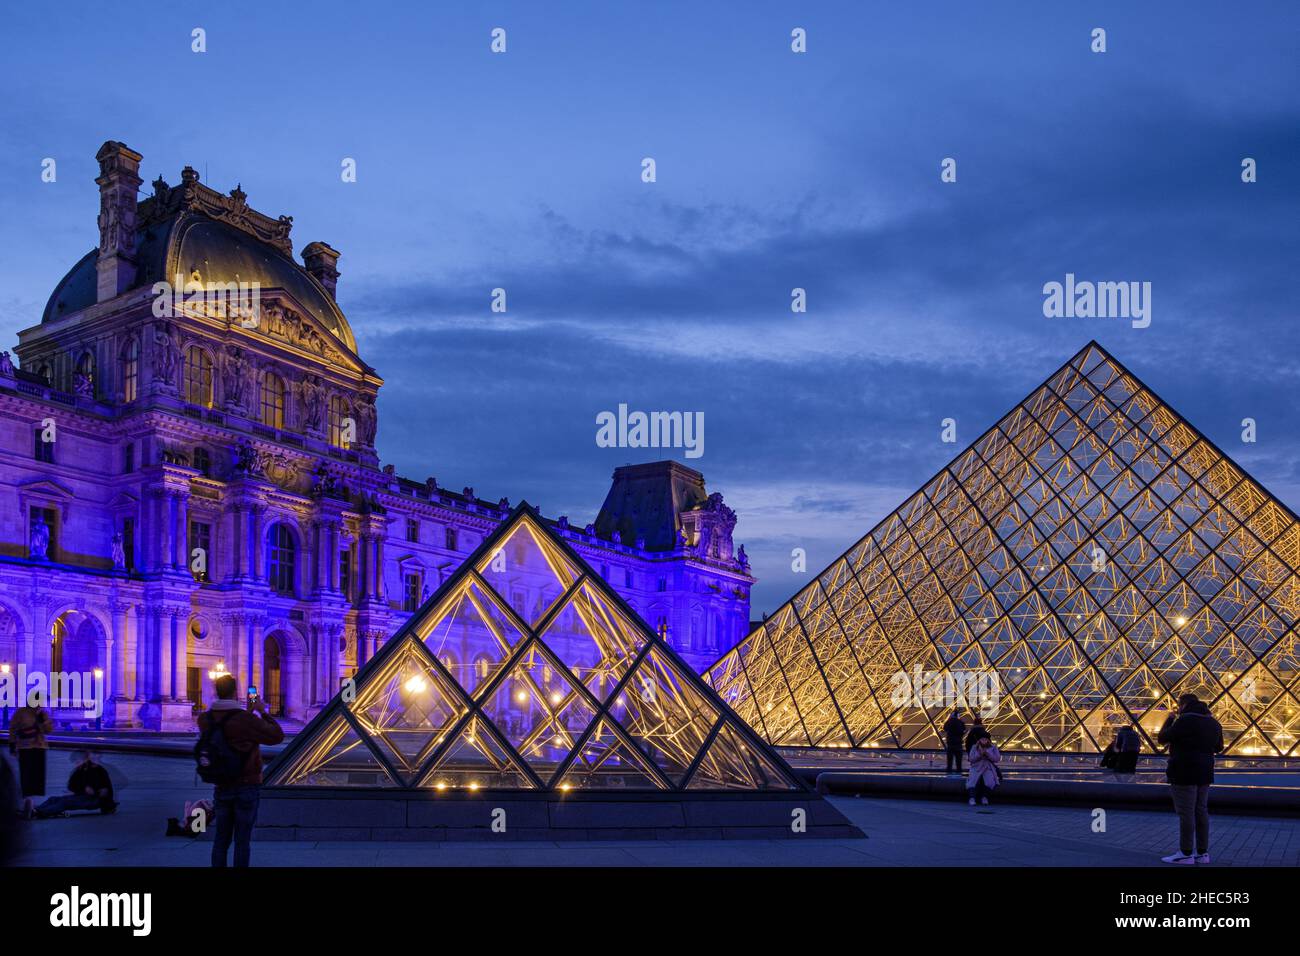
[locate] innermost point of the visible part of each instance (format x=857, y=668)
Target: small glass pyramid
x=526, y=671
x=1088, y=560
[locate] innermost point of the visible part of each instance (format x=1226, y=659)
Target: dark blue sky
x=775, y=170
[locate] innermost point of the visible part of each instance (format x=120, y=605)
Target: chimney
x=321, y=262
x=119, y=181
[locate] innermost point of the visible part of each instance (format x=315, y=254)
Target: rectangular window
x=194, y=685
x=663, y=584
x=411, y=590
x=412, y=530
x=451, y=539
x=202, y=462
x=128, y=459
x=345, y=574
x=200, y=538
x=42, y=450
x=627, y=579
x=128, y=542
x=49, y=517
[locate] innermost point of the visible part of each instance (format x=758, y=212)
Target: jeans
x=954, y=755
x=236, y=812
x=1192, y=804
x=66, y=802
x=981, y=790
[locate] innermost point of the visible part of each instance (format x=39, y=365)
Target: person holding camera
x=229, y=756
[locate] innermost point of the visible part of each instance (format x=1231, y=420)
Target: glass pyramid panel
x=471, y=629
x=476, y=760
x=337, y=757
x=407, y=707
x=1089, y=558
x=609, y=761
x=527, y=571
x=595, y=640
x=491, y=689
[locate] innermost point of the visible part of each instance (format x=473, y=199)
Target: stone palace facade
x=198, y=489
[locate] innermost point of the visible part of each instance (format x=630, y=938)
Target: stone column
x=238, y=543
x=256, y=542
x=179, y=653
x=117, y=666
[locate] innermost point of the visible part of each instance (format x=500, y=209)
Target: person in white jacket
x=983, y=777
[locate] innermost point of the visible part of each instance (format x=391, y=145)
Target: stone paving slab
x=901, y=832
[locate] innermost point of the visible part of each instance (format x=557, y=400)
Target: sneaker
x=985, y=801
x=971, y=801
x=1181, y=859
x=1203, y=858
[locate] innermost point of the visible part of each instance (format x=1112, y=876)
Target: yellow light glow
x=416, y=685
x=521, y=696
x=1179, y=621
x=473, y=784
x=556, y=698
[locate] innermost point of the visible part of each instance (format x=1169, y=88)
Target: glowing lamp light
x=556, y=698
x=1179, y=621
x=473, y=784
x=4, y=668
x=416, y=685
x=441, y=785
x=522, y=696
x=218, y=671
x=99, y=673
x=565, y=787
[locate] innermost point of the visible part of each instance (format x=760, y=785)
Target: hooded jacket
x=1193, y=738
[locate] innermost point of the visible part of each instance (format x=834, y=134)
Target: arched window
x=198, y=377
x=338, y=415
x=280, y=557
x=86, y=373
x=273, y=400
x=130, y=359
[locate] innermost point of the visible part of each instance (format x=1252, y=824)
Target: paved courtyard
x=900, y=833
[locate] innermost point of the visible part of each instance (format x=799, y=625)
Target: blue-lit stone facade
x=249, y=437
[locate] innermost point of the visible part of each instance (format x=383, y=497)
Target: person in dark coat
x=1128, y=744
x=89, y=788
x=954, y=733
x=977, y=730
x=1193, y=737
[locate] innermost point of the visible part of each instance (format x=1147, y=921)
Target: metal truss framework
x=1092, y=549
x=569, y=692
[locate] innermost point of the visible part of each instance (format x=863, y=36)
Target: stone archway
x=77, y=647
x=285, y=678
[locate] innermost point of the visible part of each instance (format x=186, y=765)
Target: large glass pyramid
x=526, y=671
x=1089, y=559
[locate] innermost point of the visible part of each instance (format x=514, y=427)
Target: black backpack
x=217, y=762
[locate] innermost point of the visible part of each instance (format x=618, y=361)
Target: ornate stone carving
x=312, y=394
x=166, y=355
x=193, y=196
x=40, y=540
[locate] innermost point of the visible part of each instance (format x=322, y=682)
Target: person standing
x=229, y=755
x=1193, y=737
x=1128, y=744
x=954, y=732
x=28, y=730
x=983, y=779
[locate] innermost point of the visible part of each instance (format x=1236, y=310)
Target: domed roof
x=173, y=238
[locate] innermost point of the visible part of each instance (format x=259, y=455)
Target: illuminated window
x=131, y=371
x=280, y=557
x=272, y=401
x=338, y=418
x=411, y=582
x=197, y=384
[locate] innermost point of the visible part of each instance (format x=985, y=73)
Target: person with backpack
x=28, y=729
x=229, y=756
